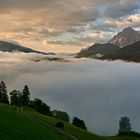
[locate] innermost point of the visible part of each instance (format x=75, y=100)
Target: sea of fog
x=99, y=92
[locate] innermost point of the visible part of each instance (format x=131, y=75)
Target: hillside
x=129, y=53
x=12, y=47
x=98, y=49
x=31, y=125
x=20, y=126
x=71, y=129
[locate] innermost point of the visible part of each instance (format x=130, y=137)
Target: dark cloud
x=76, y=29
x=16, y=4
x=35, y=4
x=121, y=9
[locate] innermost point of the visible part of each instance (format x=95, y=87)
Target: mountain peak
x=128, y=29
x=126, y=37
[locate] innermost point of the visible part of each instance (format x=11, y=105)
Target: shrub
x=60, y=125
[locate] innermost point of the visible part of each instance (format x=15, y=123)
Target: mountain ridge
x=128, y=53
x=6, y=46
x=112, y=51
x=98, y=49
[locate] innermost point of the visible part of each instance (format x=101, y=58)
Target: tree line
x=16, y=98
x=22, y=98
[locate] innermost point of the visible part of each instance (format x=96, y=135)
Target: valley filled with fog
x=99, y=92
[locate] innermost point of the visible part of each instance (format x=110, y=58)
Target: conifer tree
x=125, y=125
x=3, y=93
x=25, y=96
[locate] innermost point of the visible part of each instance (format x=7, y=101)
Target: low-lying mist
x=99, y=92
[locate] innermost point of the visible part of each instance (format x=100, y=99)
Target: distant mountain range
x=125, y=45
x=13, y=47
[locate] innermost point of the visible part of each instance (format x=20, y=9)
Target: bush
x=40, y=107
x=61, y=115
x=60, y=125
x=79, y=123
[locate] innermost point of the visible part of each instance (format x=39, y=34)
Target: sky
x=65, y=25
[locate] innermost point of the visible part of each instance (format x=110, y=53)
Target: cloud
x=33, y=4
x=83, y=40
x=131, y=20
x=80, y=41
x=110, y=26
x=121, y=9
x=64, y=43
x=76, y=29
x=58, y=42
x=32, y=22
x=93, y=37
x=51, y=12
x=99, y=92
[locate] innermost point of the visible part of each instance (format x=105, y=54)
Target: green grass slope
x=75, y=131
x=20, y=126
x=31, y=125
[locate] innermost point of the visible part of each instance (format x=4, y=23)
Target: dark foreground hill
x=13, y=47
x=28, y=124
x=21, y=126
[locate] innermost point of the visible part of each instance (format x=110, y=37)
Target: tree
x=25, y=96
x=40, y=106
x=3, y=93
x=61, y=115
x=16, y=98
x=125, y=125
x=79, y=123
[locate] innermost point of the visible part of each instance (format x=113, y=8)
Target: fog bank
x=99, y=92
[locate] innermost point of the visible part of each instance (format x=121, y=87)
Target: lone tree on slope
x=125, y=126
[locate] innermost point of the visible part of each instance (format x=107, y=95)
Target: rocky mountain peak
x=126, y=37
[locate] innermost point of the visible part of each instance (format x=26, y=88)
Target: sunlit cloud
x=33, y=22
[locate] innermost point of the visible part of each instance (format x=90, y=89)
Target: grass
x=25, y=125
x=19, y=126
x=75, y=131
x=122, y=138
